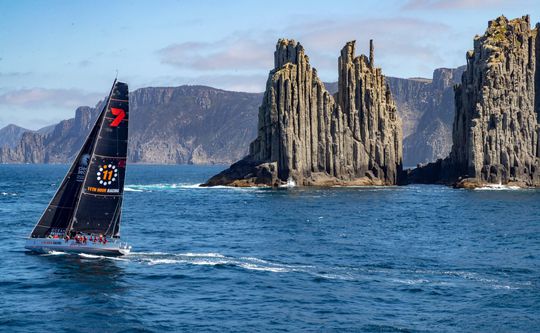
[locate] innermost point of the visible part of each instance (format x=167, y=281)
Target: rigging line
x=64, y=181
x=102, y=116
x=115, y=217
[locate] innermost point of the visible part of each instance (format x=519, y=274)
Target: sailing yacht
x=85, y=212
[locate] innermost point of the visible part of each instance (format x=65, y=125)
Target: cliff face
x=289, y=130
x=496, y=125
x=372, y=144
x=431, y=135
x=426, y=108
x=305, y=135
x=496, y=130
x=11, y=135
x=187, y=124
x=191, y=125
x=59, y=145
x=30, y=148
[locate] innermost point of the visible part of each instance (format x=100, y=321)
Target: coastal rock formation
x=496, y=125
x=191, y=125
x=30, y=148
x=57, y=145
x=211, y=126
x=11, y=135
x=496, y=132
x=428, y=113
x=307, y=136
x=181, y=125
x=426, y=108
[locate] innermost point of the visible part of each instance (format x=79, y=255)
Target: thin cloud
x=252, y=52
x=231, y=53
x=415, y=41
x=14, y=75
x=332, y=35
x=41, y=97
x=450, y=4
x=85, y=63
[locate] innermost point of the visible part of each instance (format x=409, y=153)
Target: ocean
x=417, y=258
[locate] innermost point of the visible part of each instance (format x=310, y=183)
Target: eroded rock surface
x=496, y=130
x=314, y=138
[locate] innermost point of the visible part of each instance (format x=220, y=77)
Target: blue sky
x=57, y=55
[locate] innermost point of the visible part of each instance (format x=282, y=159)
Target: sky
x=58, y=55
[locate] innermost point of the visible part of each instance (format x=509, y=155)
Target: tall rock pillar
x=495, y=134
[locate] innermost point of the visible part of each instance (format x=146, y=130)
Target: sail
x=62, y=206
x=99, y=203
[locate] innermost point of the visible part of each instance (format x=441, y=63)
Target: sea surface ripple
x=399, y=259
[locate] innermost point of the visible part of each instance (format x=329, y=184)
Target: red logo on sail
x=120, y=115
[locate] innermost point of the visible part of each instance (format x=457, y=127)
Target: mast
x=100, y=198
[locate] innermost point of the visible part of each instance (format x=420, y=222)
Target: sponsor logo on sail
x=82, y=167
x=107, y=174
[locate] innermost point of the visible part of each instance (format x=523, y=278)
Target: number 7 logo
x=120, y=114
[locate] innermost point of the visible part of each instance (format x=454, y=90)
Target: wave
x=94, y=256
x=8, y=194
x=148, y=187
x=174, y=186
x=211, y=255
x=409, y=276
x=218, y=259
x=264, y=268
x=246, y=263
x=499, y=187
x=129, y=189
x=411, y=281
x=55, y=253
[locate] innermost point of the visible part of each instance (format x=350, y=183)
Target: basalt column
x=373, y=144
x=305, y=136
x=496, y=132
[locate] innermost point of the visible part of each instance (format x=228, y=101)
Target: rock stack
x=307, y=136
x=496, y=125
x=496, y=132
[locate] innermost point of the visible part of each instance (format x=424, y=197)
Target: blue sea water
x=397, y=259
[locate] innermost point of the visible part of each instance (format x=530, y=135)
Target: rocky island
x=310, y=137
x=496, y=135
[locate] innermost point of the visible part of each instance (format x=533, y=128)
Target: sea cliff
x=309, y=137
x=495, y=132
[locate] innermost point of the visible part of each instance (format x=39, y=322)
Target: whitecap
x=254, y=259
x=163, y=261
x=149, y=253
x=498, y=187
x=264, y=268
x=169, y=261
x=331, y=276
x=211, y=255
x=55, y=253
x=210, y=262
x=411, y=281
x=129, y=189
x=94, y=256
